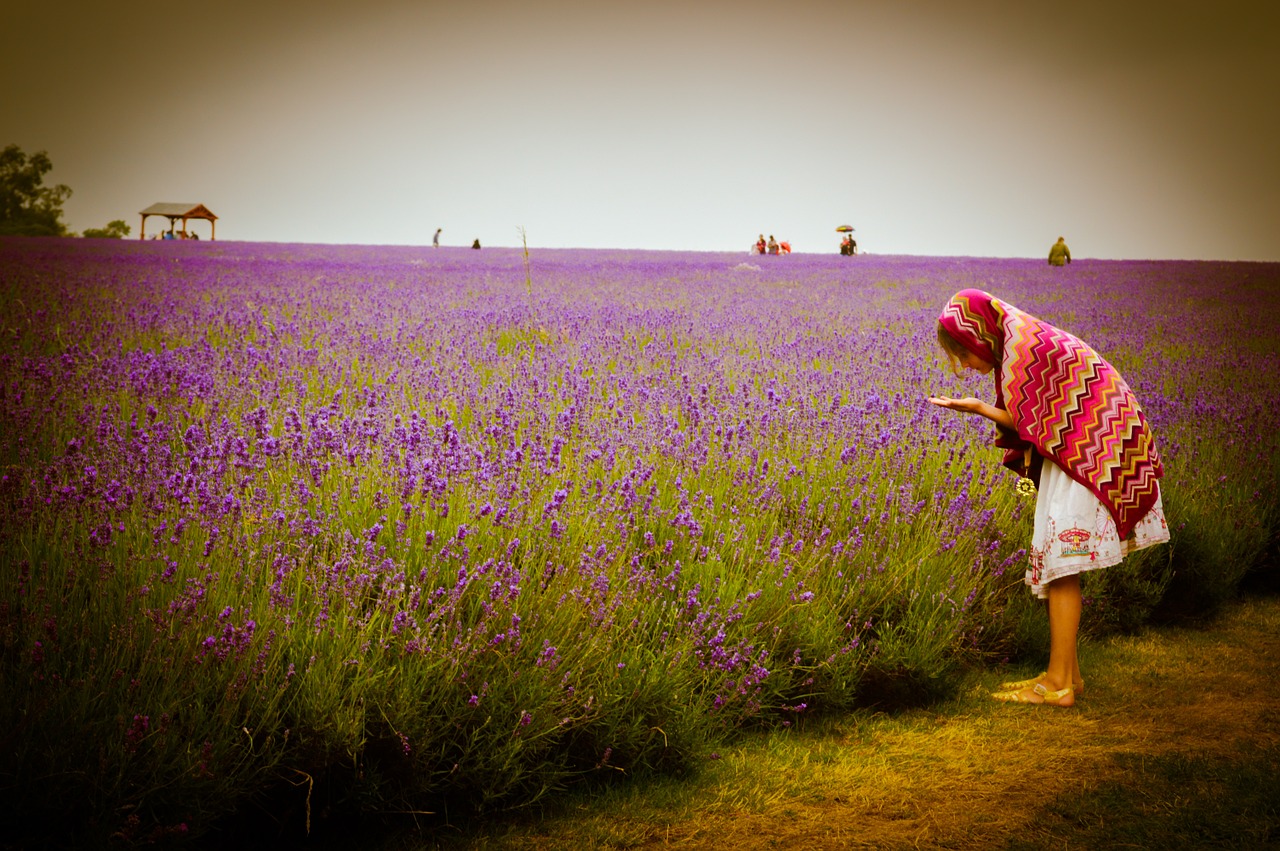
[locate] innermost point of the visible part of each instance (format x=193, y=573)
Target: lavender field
x=399, y=529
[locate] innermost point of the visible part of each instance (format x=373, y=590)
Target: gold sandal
x=1048, y=698
x=1019, y=685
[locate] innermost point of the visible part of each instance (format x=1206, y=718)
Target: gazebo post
x=142, y=229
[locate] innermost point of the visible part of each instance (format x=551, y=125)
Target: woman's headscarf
x=1066, y=401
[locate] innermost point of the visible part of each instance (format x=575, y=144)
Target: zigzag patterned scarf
x=1066, y=401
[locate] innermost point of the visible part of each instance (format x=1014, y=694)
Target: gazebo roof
x=179, y=210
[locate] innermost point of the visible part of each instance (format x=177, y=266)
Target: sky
x=1136, y=130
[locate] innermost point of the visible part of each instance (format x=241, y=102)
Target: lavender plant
x=393, y=528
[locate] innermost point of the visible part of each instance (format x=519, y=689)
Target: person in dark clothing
x=1059, y=254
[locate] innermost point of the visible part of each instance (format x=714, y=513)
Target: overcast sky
x=936, y=127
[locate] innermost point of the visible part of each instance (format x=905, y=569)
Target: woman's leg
x=1064, y=606
x=1064, y=625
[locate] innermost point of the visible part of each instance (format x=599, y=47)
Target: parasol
x=844, y=229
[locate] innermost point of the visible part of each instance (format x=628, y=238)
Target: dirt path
x=984, y=781
x=1159, y=708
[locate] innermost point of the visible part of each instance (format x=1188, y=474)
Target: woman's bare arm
x=969, y=405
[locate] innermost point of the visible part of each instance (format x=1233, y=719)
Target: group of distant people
x=771, y=246
x=180, y=234
x=435, y=240
x=1059, y=253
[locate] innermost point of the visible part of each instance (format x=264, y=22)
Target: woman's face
x=969, y=360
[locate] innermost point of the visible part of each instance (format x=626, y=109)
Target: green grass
x=1174, y=746
x=1171, y=801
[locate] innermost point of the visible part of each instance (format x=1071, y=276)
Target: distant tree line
x=115, y=229
x=29, y=208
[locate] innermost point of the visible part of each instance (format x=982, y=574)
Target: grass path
x=1175, y=745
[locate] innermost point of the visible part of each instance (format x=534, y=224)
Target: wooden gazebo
x=174, y=212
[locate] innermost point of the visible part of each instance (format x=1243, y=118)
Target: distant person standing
x=435, y=240
x=1059, y=254
x=476, y=244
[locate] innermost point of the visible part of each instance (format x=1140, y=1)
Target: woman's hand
x=970, y=405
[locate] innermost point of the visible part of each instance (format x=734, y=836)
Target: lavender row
x=492, y=526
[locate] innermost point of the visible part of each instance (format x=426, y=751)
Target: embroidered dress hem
x=1074, y=533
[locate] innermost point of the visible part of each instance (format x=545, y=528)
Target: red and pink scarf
x=1066, y=401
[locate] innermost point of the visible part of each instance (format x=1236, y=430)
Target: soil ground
x=1176, y=743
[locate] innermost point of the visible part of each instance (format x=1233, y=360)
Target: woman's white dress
x=1074, y=532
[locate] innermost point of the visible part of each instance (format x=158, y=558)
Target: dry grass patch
x=1174, y=722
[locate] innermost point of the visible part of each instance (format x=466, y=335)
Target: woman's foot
x=1038, y=694
x=1019, y=685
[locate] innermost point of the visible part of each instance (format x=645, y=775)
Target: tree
x=27, y=206
x=115, y=229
